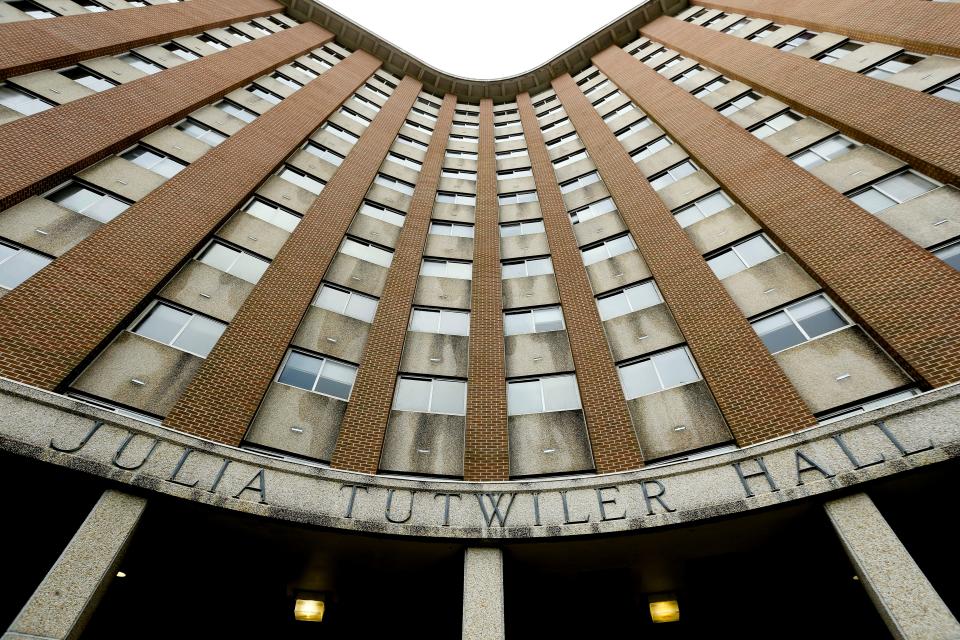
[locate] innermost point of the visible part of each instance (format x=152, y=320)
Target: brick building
x=287, y=313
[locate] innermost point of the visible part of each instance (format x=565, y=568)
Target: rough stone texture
x=612, y=438
x=755, y=397
x=483, y=594
x=68, y=595
x=927, y=28
x=51, y=44
x=225, y=394
x=365, y=422
x=853, y=103
x=104, y=279
x=904, y=597
x=46, y=148
x=897, y=291
x=486, y=456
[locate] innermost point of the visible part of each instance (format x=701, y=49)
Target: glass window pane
x=675, y=368
x=524, y=397
x=621, y=245
x=595, y=255
x=726, y=264
x=906, y=186
x=817, y=316
x=361, y=307
x=455, y=323
x=756, y=250
x=16, y=266
x=300, y=370
x=336, y=379
x=613, y=306
x=75, y=197
x=518, y=323
x=560, y=393
x=424, y=321
x=872, y=200
x=808, y=159
x=550, y=319
x=412, y=395
x=163, y=323
x=433, y=268
x=461, y=270
x=713, y=203
x=661, y=182
x=683, y=170
x=200, y=335
x=449, y=396
x=643, y=296
x=639, y=379
x=539, y=266
x=950, y=255
x=106, y=209
x=249, y=268
x=167, y=167
x=778, y=332
x=332, y=299
x=834, y=147
x=688, y=216
x=513, y=270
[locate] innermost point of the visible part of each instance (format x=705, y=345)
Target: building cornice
x=400, y=63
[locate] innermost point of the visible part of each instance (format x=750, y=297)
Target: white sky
x=485, y=38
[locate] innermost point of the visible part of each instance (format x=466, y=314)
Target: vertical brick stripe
x=31, y=45
x=224, y=396
x=612, y=438
x=904, y=296
x=927, y=27
x=754, y=395
x=486, y=454
x=916, y=127
x=362, y=431
x=53, y=321
x=44, y=149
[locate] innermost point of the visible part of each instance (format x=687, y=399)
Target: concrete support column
x=904, y=597
x=68, y=595
x=482, y=594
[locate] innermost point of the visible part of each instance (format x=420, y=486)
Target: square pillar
x=483, y=594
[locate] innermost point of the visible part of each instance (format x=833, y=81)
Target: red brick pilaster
x=754, y=395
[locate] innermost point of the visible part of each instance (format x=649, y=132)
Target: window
x=742, y=255
x=464, y=138
x=630, y=299
x=893, y=190
x=673, y=174
x=570, y=158
x=179, y=51
x=366, y=251
x=601, y=85
x=431, y=395
x=382, y=212
x=21, y=101
x=740, y=103
x=257, y=27
x=736, y=26
x=323, y=153
x=650, y=148
x=263, y=94
x=139, y=63
x=670, y=63
x=503, y=155
x=274, y=214
x=949, y=90
x=533, y=321
x=201, y=132
x=88, y=79
x=17, y=264
x=451, y=323
x=720, y=16
x=310, y=73
x=580, y=181
x=556, y=142
x=180, y=329
x=544, y=114
x=424, y=114
x=529, y=267
x=777, y=123
x=239, y=35
x=451, y=229
x=212, y=42
x=632, y=128
x=301, y=179
x=91, y=6
x=154, y=161
x=456, y=153
x=864, y=407
x=320, y=61
x=377, y=90
x=799, y=323
x=607, y=249
x=897, y=64
x=834, y=54
x=587, y=78
x=763, y=33
x=541, y=395
x=710, y=87
x=88, y=201
x=950, y=254
x=278, y=23
x=505, y=124
x=662, y=371
x=241, y=264
x=293, y=84
x=346, y=302
x=607, y=98
x=517, y=197
x=796, y=41
x=356, y=117
x=693, y=16
x=410, y=163
x=689, y=73
x=467, y=125
x=449, y=197
x=318, y=374
x=619, y=110
x=702, y=208
x=521, y=228
x=370, y=104
x=598, y=208
x=396, y=184
x=459, y=174
x=509, y=136
x=653, y=51
x=447, y=269
x=555, y=123
x=825, y=151
x=338, y=131
x=236, y=111
x=336, y=55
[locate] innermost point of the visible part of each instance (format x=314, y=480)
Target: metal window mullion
x=182, y=329
x=797, y=324
x=430, y=397
x=656, y=370
x=323, y=363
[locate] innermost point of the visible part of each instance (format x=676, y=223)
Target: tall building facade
x=301, y=336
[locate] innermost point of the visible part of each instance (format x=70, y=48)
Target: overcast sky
x=483, y=38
